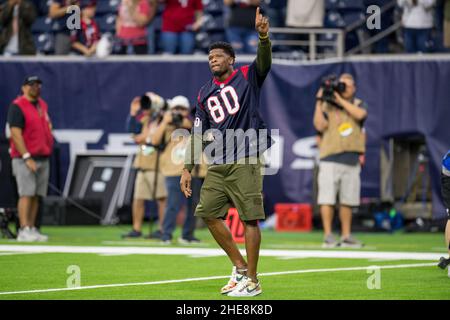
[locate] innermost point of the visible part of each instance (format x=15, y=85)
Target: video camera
x=177, y=119
x=150, y=100
x=158, y=106
x=331, y=84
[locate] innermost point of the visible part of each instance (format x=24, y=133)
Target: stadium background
x=405, y=96
x=89, y=99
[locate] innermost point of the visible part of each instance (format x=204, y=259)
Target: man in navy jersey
x=227, y=110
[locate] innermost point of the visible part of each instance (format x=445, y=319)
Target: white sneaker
x=39, y=236
x=235, y=278
x=26, y=235
x=246, y=288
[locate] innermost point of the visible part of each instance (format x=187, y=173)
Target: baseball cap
x=31, y=80
x=179, y=101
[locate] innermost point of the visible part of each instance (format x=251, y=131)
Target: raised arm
x=264, y=53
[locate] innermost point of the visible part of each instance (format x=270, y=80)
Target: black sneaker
x=443, y=263
x=132, y=234
x=155, y=235
x=194, y=240
x=188, y=240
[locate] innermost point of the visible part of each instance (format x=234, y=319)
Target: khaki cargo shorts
x=238, y=185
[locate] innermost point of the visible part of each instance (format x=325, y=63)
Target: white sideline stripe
x=209, y=252
x=267, y=274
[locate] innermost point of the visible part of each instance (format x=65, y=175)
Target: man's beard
x=219, y=73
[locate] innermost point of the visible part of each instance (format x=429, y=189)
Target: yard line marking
x=15, y=253
x=267, y=274
x=210, y=252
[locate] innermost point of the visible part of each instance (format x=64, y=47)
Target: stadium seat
x=107, y=6
x=351, y=17
x=107, y=22
x=351, y=4
x=331, y=4
x=334, y=19
x=213, y=6
x=344, y=5
x=45, y=25
x=213, y=23
x=45, y=43
x=41, y=6
x=204, y=39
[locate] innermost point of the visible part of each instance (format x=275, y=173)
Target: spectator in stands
x=386, y=20
x=447, y=24
x=16, y=18
x=305, y=13
x=151, y=30
x=131, y=25
x=149, y=183
x=276, y=11
x=180, y=21
x=31, y=145
x=340, y=119
x=57, y=11
x=84, y=40
x=240, y=26
x=172, y=162
x=417, y=21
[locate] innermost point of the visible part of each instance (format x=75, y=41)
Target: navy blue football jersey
x=230, y=111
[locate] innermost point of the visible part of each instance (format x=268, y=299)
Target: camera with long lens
x=145, y=102
x=331, y=84
x=177, y=119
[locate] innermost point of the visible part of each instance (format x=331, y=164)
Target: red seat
x=293, y=217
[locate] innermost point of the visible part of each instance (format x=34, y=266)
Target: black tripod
x=6, y=217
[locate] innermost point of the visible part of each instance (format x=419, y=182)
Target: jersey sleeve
x=254, y=77
x=195, y=149
x=201, y=120
x=15, y=117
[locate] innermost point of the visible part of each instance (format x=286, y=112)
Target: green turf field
x=292, y=266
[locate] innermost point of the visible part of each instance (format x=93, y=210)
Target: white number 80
x=216, y=108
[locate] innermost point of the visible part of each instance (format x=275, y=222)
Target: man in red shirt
x=131, y=24
x=180, y=20
x=31, y=145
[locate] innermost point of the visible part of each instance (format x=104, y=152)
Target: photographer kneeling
x=142, y=123
x=172, y=162
x=339, y=117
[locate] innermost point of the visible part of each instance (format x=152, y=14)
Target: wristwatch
x=26, y=156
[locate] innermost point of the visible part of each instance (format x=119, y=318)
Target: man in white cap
x=172, y=162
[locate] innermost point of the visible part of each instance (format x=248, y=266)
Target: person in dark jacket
x=16, y=18
x=445, y=185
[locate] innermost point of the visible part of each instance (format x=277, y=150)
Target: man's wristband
x=263, y=37
x=26, y=156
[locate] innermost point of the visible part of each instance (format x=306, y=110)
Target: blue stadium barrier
x=404, y=94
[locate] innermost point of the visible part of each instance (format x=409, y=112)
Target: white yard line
x=267, y=274
x=209, y=252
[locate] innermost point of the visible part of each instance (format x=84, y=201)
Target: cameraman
x=172, y=162
x=142, y=123
x=339, y=119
